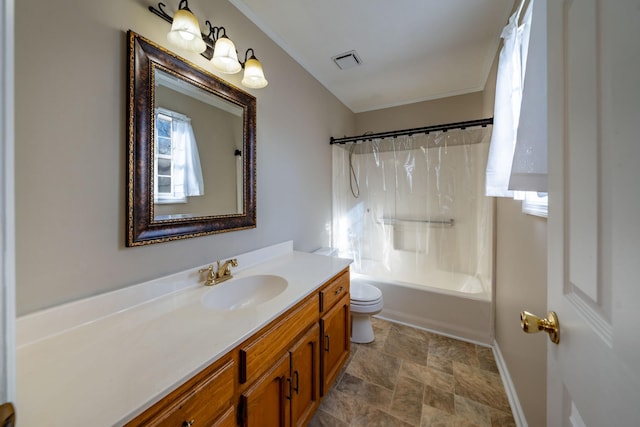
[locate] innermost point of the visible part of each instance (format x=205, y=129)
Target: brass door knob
x=531, y=324
x=7, y=415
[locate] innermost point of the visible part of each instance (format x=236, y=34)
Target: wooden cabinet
x=261, y=351
x=333, y=291
x=277, y=377
x=267, y=401
x=228, y=419
x=335, y=328
x=305, y=396
x=206, y=399
x=335, y=331
x=287, y=395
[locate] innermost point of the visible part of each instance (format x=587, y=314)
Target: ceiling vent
x=347, y=60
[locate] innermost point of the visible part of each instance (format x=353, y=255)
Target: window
x=535, y=203
x=165, y=190
x=508, y=100
x=516, y=165
x=177, y=170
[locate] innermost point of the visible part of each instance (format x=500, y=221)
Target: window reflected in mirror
x=178, y=174
x=190, y=121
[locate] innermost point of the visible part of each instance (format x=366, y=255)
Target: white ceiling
x=411, y=50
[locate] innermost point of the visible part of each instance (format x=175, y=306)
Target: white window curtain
x=529, y=168
x=186, y=158
x=508, y=99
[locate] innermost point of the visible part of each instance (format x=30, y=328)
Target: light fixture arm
x=161, y=12
x=214, y=32
x=164, y=15
x=185, y=7
x=247, y=57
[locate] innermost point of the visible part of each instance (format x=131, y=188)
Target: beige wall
x=520, y=284
x=70, y=150
x=446, y=110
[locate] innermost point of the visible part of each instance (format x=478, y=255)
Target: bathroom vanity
x=179, y=359
x=276, y=377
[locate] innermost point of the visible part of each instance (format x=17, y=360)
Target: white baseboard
x=512, y=395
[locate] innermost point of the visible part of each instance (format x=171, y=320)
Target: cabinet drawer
x=201, y=400
x=259, y=354
x=228, y=419
x=334, y=291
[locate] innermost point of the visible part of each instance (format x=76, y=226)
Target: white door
x=7, y=227
x=594, y=218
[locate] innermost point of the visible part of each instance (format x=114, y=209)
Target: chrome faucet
x=222, y=274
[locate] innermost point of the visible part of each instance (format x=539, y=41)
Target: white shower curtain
x=407, y=206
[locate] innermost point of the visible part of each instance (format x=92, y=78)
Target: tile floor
x=411, y=377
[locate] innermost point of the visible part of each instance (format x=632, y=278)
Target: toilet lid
x=364, y=292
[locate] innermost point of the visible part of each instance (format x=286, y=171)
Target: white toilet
x=366, y=300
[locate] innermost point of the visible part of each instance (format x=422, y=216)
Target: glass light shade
x=253, y=74
x=185, y=32
x=225, y=57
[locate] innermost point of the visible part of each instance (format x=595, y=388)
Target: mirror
x=191, y=149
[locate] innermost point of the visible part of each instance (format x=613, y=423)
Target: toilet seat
x=372, y=308
x=364, y=293
x=366, y=303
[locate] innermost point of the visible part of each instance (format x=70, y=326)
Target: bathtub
x=453, y=304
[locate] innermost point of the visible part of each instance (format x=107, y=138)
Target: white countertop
x=102, y=361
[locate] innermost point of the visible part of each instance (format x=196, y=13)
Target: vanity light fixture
x=225, y=56
x=185, y=30
x=253, y=74
x=215, y=46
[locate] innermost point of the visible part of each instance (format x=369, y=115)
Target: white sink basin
x=244, y=292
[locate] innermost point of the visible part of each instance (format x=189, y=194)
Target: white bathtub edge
x=512, y=395
x=479, y=296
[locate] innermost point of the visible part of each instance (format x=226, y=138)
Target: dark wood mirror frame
x=144, y=57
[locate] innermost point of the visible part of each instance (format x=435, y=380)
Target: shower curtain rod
x=444, y=127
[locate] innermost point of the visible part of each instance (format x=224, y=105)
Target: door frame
x=7, y=204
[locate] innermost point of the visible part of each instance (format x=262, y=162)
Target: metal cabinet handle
x=290, y=392
x=326, y=342
x=188, y=423
x=296, y=388
x=340, y=289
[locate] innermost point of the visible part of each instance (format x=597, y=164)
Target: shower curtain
x=407, y=208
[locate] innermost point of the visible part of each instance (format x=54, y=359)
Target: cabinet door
x=267, y=401
x=335, y=342
x=305, y=377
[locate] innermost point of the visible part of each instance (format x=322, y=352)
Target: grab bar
x=392, y=221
